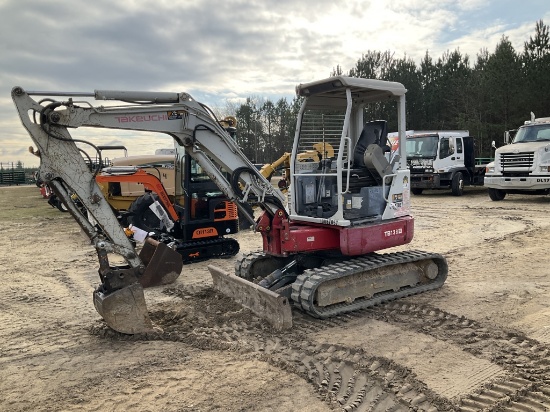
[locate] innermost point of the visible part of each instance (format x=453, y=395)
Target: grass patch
x=25, y=202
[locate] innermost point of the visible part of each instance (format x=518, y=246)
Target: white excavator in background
x=318, y=254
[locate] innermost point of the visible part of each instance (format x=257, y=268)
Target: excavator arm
x=191, y=124
x=120, y=299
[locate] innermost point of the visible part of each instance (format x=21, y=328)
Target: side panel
x=310, y=238
x=351, y=241
x=360, y=240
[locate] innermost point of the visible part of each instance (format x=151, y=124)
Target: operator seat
x=362, y=174
x=374, y=132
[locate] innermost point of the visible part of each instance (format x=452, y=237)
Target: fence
x=12, y=175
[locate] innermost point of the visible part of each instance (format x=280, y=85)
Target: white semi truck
x=522, y=166
x=442, y=159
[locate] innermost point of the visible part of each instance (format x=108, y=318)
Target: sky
x=222, y=52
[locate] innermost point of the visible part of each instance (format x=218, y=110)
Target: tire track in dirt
x=526, y=386
x=525, y=359
x=534, y=321
x=349, y=377
x=346, y=378
x=444, y=367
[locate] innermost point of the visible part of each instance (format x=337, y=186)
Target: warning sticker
x=176, y=114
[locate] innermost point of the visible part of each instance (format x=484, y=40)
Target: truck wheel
x=417, y=191
x=457, y=185
x=496, y=194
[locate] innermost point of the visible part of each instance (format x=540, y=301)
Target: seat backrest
x=374, y=132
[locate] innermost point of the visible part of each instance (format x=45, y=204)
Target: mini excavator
x=320, y=253
x=194, y=221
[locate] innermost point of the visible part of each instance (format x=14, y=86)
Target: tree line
x=488, y=95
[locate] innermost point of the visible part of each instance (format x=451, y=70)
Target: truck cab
x=523, y=166
x=442, y=160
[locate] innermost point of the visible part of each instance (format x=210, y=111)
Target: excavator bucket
x=265, y=303
x=162, y=264
x=124, y=310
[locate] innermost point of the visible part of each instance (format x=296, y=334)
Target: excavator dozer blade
x=125, y=310
x=162, y=264
x=263, y=302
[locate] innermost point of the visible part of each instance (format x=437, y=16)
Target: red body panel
x=370, y=238
x=305, y=238
x=281, y=237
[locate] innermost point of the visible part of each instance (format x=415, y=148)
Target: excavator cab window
x=197, y=174
x=316, y=189
x=204, y=195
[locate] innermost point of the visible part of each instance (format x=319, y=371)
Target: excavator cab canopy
x=362, y=90
x=354, y=182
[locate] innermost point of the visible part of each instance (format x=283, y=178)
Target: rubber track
x=303, y=289
x=212, y=246
x=243, y=264
x=249, y=265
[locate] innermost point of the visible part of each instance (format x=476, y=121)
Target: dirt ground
x=481, y=342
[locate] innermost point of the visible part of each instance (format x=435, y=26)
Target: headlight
x=545, y=169
x=490, y=169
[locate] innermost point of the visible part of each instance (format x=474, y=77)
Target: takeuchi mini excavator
x=319, y=253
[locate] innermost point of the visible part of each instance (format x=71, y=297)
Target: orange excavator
x=195, y=222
